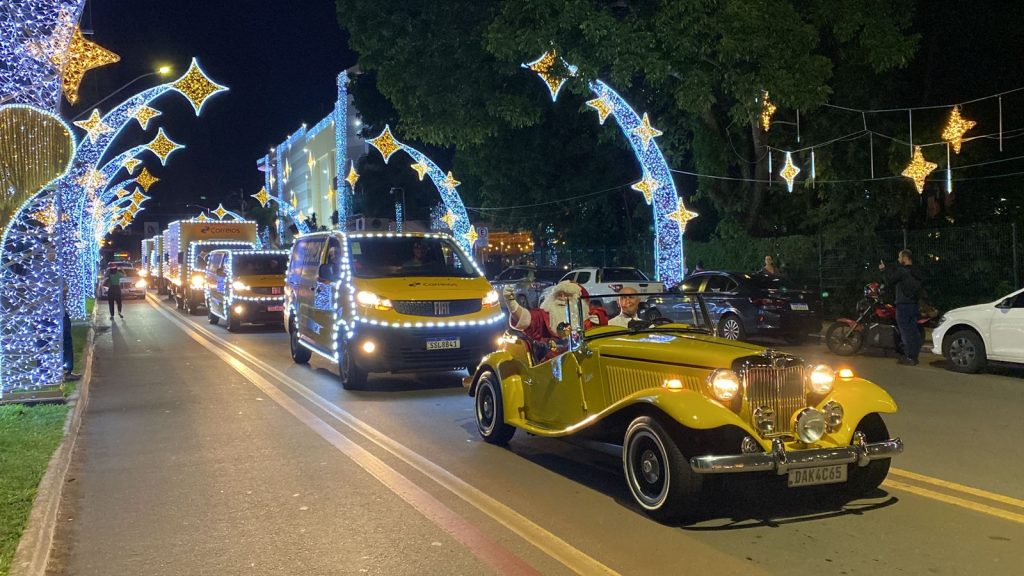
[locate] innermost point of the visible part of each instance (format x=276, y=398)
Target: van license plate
x=799, y=306
x=275, y=308
x=443, y=344
x=818, y=475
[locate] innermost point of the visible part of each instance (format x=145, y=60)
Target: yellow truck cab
x=388, y=302
x=245, y=286
x=187, y=244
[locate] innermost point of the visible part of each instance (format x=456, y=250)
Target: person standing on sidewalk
x=68, y=344
x=908, y=284
x=112, y=281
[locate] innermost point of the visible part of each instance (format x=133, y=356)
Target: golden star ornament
x=94, y=126
x=919, y=169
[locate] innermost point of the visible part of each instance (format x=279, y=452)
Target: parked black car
x=528, y=282
x=743, y=305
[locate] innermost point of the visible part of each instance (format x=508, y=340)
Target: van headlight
x=141, y=283
x=821, y=379
x=239, y=285
x=198, y=281
x=725, y=384
x=371, y=300
x=491, y=299
x=143, y=272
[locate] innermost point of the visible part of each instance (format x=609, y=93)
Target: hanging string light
x=767, y=111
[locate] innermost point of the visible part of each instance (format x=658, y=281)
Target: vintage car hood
x=424, y=288
x=695, y=350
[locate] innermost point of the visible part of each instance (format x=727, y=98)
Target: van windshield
x=384, y=257
x=259, y=264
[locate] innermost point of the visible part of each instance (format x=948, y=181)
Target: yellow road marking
x=956, y=501
x=958, y=487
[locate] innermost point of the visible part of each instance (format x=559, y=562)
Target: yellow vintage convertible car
x=685, y=404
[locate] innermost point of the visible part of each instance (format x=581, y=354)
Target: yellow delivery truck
x=187, y=244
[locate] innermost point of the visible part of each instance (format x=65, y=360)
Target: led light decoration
x=233, y=294
x=94, y=126
x=647, y=186
x=82, y=56
x=220, y=212
x=449, y=219
x=547, y=68
x=352, y=177
x=789, y=171
x=143, y=114
x=287, y=210
x=146, y=180
x=681, y=216
x=767, y=111
x=646, y=132
x=262, y=196
x=955, y=129
x=919, y=169
x=445, y=184
x=604, y=108
x=31, y=31
x=130, y=164
x=398, y=216
x=311, y=162
x=162, y=146
x=36, y=149
x=421, y=169
x=197, y=86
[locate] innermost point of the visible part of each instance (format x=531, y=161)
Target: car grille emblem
x=441, y=309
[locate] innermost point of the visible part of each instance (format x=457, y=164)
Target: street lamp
x=161, y=71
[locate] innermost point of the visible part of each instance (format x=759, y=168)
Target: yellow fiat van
x=245, y=286
x=388, y=302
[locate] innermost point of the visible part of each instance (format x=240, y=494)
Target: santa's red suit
x=540, y=325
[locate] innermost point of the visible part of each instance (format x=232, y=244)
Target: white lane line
x=544, y=540
x=478, y=543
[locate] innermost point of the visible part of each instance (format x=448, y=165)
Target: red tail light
x=768, y=302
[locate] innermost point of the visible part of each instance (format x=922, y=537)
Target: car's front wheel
x=965, y=351
x=352, y=376
x=657, y=473
x=490, y=412
x=863, y=480
x=300, y=355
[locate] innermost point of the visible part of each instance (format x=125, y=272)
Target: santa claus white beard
x=558, y=313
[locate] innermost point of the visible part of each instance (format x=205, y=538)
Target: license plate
x=798, y=306
x=275, y=308
x=817, y=475
x=443, y=344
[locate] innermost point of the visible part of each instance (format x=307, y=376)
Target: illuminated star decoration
x=544, y=67
x=449, y=219
x=287, y=171
x=143, y=114
x=121, y=193
x=352, y=177
x=646, y=132
x=603, y=107
x=767, y=111
x=145, y=179
x=92, y=180
x=220, y=212
x=272, y=179
x=202, y=218
x=385, y=143
x=94, y=126
x=648, y=185
x=421, y=169
x=131, y=164
x=197, y=86
x=139, y=197
x=471, y=236
x=450, y=182
x=311, y=162
x=82, y=56
x=789, y=171
x=162, y=146
x=955, y=128
x=262, y=196
x=919, y=169
x=681, y=216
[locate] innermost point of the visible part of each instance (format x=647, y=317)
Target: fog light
x=369, y=346
x=673, y=384
x=239, y=309
x=810, y=425
x=764, y=419
x=845, y=373
x=749, y=445
x=833, y=415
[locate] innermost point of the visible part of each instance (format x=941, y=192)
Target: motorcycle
x=874, y=327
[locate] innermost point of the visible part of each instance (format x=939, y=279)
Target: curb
x=33, y=552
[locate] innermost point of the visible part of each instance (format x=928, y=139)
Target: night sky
x=279, y=59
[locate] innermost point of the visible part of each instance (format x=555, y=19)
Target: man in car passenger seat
x=629, y=303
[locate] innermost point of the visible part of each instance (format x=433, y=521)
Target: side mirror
x=1005, y=303
x=326, y=272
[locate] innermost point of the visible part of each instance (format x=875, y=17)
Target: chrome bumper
x=781, y=462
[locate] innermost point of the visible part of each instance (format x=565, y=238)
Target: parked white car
x=971, y=336
x=608, y=280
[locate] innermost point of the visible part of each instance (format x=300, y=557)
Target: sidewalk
x=182, y=467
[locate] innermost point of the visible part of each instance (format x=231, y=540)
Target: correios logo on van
x=220, y=230
x=415, y=284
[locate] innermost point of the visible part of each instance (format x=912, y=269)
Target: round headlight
x=725, y=384
x=833, y=414
x=239, y=285
x=821, y=379
x=810, y=425
x=198, y=281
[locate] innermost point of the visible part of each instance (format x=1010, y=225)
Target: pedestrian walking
x=908, y=284
x=112, y=280
x=68, y=344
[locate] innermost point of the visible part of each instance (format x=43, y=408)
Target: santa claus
x=557, y=316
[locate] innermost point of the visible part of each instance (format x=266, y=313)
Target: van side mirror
x=327, y=272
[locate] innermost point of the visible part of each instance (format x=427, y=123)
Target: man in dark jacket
x=907, y=282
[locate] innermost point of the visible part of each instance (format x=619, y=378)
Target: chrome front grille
x=781, y=389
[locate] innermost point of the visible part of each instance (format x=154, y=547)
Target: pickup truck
x=607, y=280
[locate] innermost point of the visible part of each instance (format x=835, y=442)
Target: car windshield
x=656, y=310
x=391, y=257
x=203, y=253
x=259, y=264
x=622, y=275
